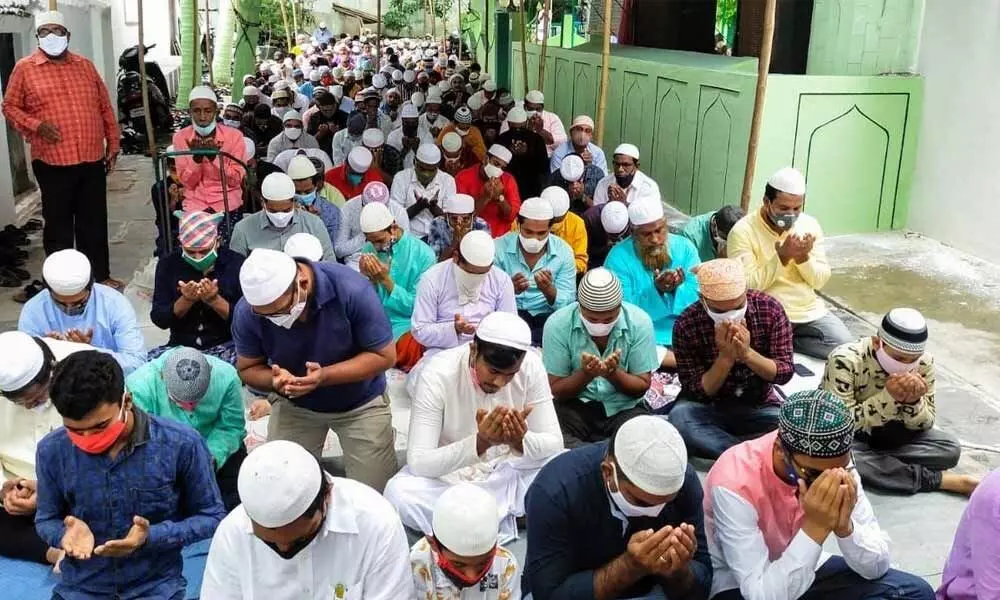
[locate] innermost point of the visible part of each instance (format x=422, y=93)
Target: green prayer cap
x=816, y=423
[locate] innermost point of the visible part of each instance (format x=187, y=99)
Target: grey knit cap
x=187, y=374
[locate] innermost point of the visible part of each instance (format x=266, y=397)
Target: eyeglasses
x=808, y=474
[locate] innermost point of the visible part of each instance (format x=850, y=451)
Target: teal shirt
x=565, y=339
x=558, y=258
x=639, y=289
x=699, y=231
x=409, y=261
x=219, y=417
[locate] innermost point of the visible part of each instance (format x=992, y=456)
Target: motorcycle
x=130, y=110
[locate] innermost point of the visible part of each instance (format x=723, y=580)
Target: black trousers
x=227, y=477
x=585, y=422
x=537, y=325
x=75, y=209
x=19, y=540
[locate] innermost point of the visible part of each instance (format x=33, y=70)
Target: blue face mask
x=306, y=199
x=354, y=178
x=204, y=130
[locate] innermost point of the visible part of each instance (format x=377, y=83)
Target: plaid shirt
x=70, y=95
x=770, y=335
x=441, y=235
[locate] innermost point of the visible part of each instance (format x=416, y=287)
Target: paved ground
x=872, y=273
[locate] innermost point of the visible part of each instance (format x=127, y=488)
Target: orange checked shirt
x=70, y=95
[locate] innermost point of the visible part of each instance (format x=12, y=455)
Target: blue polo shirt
x=344, y=318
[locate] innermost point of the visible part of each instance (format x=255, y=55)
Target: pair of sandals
x=12, y=256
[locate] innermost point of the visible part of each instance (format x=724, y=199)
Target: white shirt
x=442, y=436
x=395, y=139
x=361, y=552
x=642, y=184
x=440, y=123
x=739, y=553
x=405, y=188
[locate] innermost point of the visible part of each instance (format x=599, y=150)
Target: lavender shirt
x=973, y=568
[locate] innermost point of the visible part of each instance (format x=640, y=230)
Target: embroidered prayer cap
x=535, y=97
x=375, y=217
x=409, y=111
x=379, y=81
x=537, y=209
x=463, y=115
x=904, y=329
x=265, y=275
x=721, y=279
x=451, y=142
x=816, y=423
x=465, y=520
x=558, y=198
x=359, y=159
x=373, y=137
x=375, y=192
x=628, y=150
x=788, y=180
x=409, y=76
x=277, y=483
x=614, y=217
x=187, y=374
x=433, y=96
x=50, y=17
x=21, y=359
x=504, y=328
x=582, y=121
x=600, y=290
x=304, y=245
x=397, y=75
x=66, y=272
x=651, y=453
x=198, y=230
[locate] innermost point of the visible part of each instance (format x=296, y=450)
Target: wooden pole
x=461, y=33
x=433, y=21
x=547, y=24
x=52, y=5
x=378, y=39
x=763, y=68
x=524, y=48
x=284, y=19
x=208, y=42
x=150, y=132
x=486, y=39
x=602, y=103
x=295, y=17
x=196, y=43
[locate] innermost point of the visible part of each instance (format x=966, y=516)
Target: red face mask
x=454, y=574
x=98, y=443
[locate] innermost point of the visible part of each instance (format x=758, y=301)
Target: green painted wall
x=865, y=37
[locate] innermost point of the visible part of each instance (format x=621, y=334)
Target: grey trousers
x=818, y=338
x=902, y=461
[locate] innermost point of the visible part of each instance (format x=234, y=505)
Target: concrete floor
x=959, y=295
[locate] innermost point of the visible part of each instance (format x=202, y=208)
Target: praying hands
x=667, y=281
x=828, y=504
x=732, y=339
x=665, y=552
x=376, y=272
x=502, y=425
x=906, y=388
x=795, y=247
x=594, y=367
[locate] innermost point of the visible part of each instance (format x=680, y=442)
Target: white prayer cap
x=202, y=92
x=501, y=152
x=409, y=111
x=536, y=208
x=276, y=94
x=379, y=81
x=475, y=102
x=558, y=198
x=266, y=275
x=582, y=121
x=535, y=97
x=433, y=96
x=359, y=159
x=645, y=210
x=460, y=204
x=614, y=217
x=490, y=86
x=651, y=454
x=278, y=482
x=409, y=76
x=281, y=84
x=248, y=145
x=300, y=167
x=337, y=91
x=451, y=142
x=397, y=75
x=504, y=328
x=517, y=115
x=50, y=17
x=429, y=154
x=478, y=248
x=292, y=115
x=572, y=168
x=21, y=359
x=788, y=180
x=373, y=137
x=628, y=150
x=66, y=272
x=375, y=217
x=251, y=90
x=417, y=99
x=465, y=520
x=278, y=186
x=304, y=245
x=391, y=92
x=314, y=75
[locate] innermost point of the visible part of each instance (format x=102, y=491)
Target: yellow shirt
x=573, y=231
x=751, y=242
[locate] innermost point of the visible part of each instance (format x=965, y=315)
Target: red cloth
x=337, y=177
x=625, y=30
x=70, y=95
x=470, y=181
x=408, y=352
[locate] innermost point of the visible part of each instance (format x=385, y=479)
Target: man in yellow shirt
x=569, y=226
x=781, y=249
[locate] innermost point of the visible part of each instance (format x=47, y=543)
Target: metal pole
x=547, y=24
x=150, y=132
x=763, y=67
x=602, y=104
x=208, y=42
x=523, y=16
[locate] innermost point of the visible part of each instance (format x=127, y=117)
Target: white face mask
x=43, y=407
x=462, y=132
x=892, y=365
x=293, y=315
x=628, y=509
x=492, y=171
x=293, y=133
x=599, y=329
x=730, y=315
x=279, y=219
x=231, y=123
x=468, y=285
x=531, y=245
x=53, y=45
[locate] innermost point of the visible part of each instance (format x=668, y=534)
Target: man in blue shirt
x=619, y=519
x=581, y=132
x=120, y=491
x=315, y=335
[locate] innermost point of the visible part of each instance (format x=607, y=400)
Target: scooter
x=130, y=110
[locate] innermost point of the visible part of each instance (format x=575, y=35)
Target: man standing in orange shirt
x=58, y=102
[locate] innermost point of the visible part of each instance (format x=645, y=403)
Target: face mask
x=293, y=315
x=531, y=245
x=279, y=219
x=431, y=116
x=293, y=133
x=468, y=285
x=628, y=509
x=624, y=181
x=785, y=221
x=456, y=576
x=894, y=366
x=580, y=138
x=306, y=199
x=354, y=178
x=598, y=329
x=98, y=443
x=462, y=132
x=53, y=45
x=202, y=264
x=41, y=408
x=734, y=316
x=73, y=310
x=231, y=123
x=204, y=130
x=299, y=545
x=492, y=171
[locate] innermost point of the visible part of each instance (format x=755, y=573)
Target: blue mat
x=31, y=581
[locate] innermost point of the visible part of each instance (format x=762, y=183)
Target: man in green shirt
x=600, y=353
x=205, y=393
x=708, y=232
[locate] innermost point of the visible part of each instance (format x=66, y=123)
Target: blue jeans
x=818, y=338
x=709, y=431
x=836, y=581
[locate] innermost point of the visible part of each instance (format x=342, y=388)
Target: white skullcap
x=202, y=92
x=21, y=359
x=391, y=92
x=572, y=168
x=281, y=85
x=651, y=454
x=292, y=115
x=409, y=111
x=397, y=75
x=278, y=482
x=433, y=96
x=417, y=99
x=501, y=152
x=614, y=217
x=379, y=81
x=50, y=17
x=300, y=167
x=451, y=142
x=66, y=272
x=337, y=91
x=251, y=90
x=373, y=137
x=645, y=210
x=628, y=150
x=558, y=198
x=582, y=121
x=504, y=328
x=304, y=245
x=375, y=216
x=277, y=186
x=490, y=86
x=359, y=159
x=535, y=97
x=536, y=208
x=314, y=75
x=443, y=87
x=465, y=520
x=460, y=204
x=266, y=275
x=429, y=154
x=475, y=102
x=478, y=248
x=517, y=115
x=409, y=76
x=248, y=145
x=788, y=180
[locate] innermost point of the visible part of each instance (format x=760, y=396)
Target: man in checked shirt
x=731, y=349
x=58, y=102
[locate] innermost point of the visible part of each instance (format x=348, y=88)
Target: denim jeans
x=818, y=338
x=708, y=430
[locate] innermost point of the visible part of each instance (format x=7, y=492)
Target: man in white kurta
x=423, y=189
x=467, y=399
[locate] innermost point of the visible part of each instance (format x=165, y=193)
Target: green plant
x=401, y=13
x=271, y=23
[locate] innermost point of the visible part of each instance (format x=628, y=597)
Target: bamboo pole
x=208, y=42
x=433, y=21
x=524, y=49
x=763, y=68
x=52, y=5
x=144, y=87
x=378, y=39
x=295, y=17
x=461, y=33
x=196, y=44
x=284, y=19
x=547, y=24
x=602, y=103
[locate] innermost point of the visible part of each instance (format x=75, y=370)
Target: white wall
x=956, y=187
x=156, y=19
